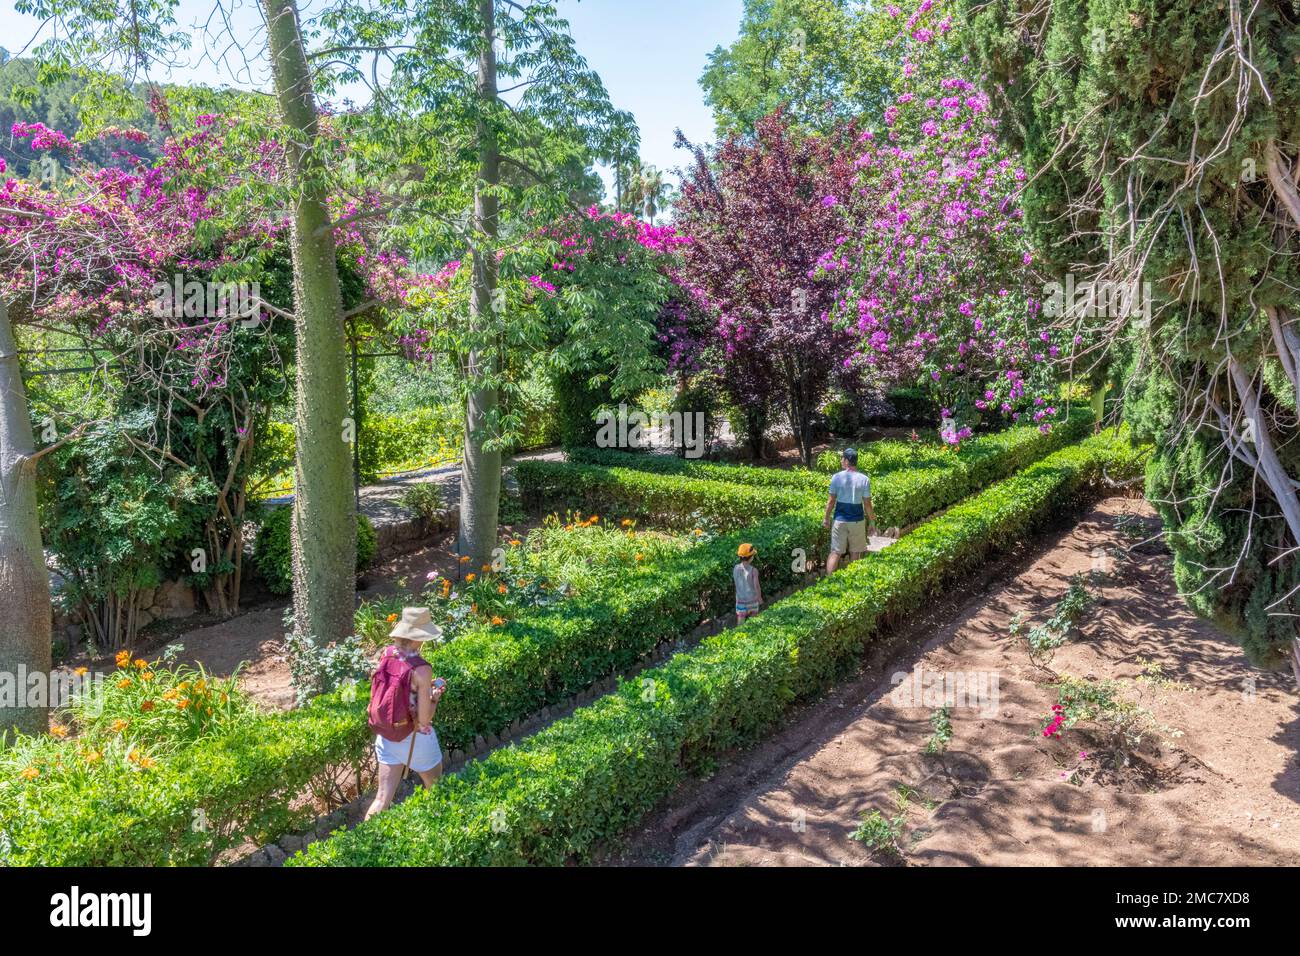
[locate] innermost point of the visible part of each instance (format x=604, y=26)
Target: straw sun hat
x=416, y=625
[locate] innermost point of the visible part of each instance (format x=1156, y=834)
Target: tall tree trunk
x=480, y=476
x=24, y=582
x=324, y=509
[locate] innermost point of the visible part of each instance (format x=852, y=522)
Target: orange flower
x=58, y=730
x=82, y=671
x=697, y=531
x=119, y=725
x=123, y=658
x=469, y=578
x=392, y=618
x=170, y=695
x=141, y=664
x=464, y=559
x=502, y=589
x=124, y=683
x=640, y=556
x=515, y=542
x=486, y=568
x=92, y=756
x=497, y=620
x=147, y=706
x=474, y=608
x=594, y=518
x=182, y=703
x=147, y=676
x=30, y=773
x=626, y=522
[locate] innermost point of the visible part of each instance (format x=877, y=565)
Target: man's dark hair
x=851, y=456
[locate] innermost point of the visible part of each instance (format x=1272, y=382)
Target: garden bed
x=503, y=675
x=586, y=778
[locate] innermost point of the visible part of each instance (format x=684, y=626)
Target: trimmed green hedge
x=242, y=784
x=732, y=495
x=588, y=777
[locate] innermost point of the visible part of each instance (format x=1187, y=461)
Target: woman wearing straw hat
x=403, y=699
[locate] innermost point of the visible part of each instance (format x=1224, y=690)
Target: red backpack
x=390, y=695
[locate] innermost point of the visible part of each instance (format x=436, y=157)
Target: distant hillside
x=53, y=106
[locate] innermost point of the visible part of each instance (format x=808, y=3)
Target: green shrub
x=425, y=499
x=244, y=781
x=588, y=777
x=273, y=548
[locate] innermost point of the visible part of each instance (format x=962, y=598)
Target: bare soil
x=1219, y=784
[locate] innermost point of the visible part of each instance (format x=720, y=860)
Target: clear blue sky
x=650, y=53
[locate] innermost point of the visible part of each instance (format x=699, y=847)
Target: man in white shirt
x=848, y=512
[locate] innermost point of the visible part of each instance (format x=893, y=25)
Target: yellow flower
x=92, y=756
x=119, y=725
x=124, y=683
x=697, y=531
x=201, y=685
x=147, y=763
x=141, y=664
x=58, y=730
x=31, y=773
x=82, y=671
x=170, y=695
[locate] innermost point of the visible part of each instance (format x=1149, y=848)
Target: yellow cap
x=746, y=550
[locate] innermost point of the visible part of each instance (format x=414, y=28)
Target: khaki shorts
x=849, y=536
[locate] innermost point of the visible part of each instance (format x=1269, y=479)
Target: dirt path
x=251, y=642
x=1226, y=791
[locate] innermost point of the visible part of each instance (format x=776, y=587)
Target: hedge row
x=874, y=458
x=241, y=783
x=588, y=777
x=652, y=487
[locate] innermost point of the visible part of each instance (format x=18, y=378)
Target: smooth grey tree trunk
x=25, y=614
x=324, y=510
x=480, y=477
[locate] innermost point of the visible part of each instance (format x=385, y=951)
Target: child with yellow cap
x=749, y=593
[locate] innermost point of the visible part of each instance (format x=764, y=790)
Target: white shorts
x=850, y=536
x=427, y=755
